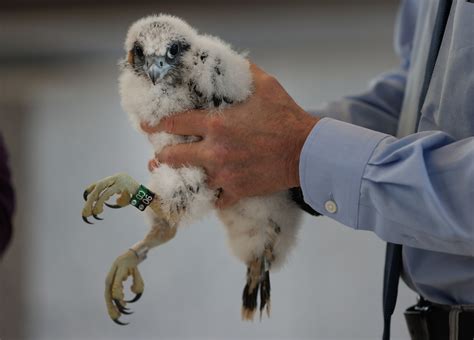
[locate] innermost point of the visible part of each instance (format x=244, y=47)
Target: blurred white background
x=64, y=127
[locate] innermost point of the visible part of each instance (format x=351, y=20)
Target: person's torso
x=448, y=107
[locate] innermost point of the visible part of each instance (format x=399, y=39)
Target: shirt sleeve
x=6, y=200
x=416, y=191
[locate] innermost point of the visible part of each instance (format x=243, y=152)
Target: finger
x=188, y=123
x=149, y=128
x=153, y=164
x=191, y=154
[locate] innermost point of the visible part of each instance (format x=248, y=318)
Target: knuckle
x=271, y=82
x=150, y=165
x=169, y=124
x=220, y=154
x=215, y=124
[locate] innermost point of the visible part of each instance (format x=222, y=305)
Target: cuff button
x=330, y=206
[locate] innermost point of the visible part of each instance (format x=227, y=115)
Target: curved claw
x=113, y=206
x=135, y=299
x=118, y=322
x=122, y=309
x=85, y=220
x=85, y=194
x=97, y=217
x=119, y=305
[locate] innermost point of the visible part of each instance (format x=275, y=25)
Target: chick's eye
x=138, y=51
x=173, y=51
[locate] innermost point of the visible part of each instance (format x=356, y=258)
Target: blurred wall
x=60, y=114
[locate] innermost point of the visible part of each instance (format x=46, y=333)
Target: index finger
x=188, y=123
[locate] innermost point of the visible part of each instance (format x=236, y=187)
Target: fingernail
x=153, y=164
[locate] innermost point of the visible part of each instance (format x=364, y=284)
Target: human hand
x=248, y=149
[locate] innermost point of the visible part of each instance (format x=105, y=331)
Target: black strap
x=393, y=254
x=391, y=275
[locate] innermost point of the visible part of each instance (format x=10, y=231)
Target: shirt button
x=330, y=206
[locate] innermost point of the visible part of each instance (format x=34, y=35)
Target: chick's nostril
x=161, y=63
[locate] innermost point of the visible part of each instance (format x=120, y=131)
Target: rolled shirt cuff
x=332, y=164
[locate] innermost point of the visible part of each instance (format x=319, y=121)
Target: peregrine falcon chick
x=171, y=68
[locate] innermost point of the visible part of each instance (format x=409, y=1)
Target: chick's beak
x=156, y=67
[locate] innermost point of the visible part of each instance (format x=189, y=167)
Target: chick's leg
x=258, y=277
x=258, y=280
x=127, y=265
x=163, y=230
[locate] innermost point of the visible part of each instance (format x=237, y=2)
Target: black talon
x=97, y=217
x=119, y=305
x=85, y=220
x=118, y=322
x=113, y=206
x=135, y=299
x=85, y=194
x=126, y=312
x=122, y=309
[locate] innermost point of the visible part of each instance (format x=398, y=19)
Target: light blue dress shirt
x=415, y=189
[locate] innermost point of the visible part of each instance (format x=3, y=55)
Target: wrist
x=304, y=128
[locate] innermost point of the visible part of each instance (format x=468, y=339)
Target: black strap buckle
x=431, y=321
x=417, y=320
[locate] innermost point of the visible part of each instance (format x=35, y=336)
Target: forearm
x=417, y=191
